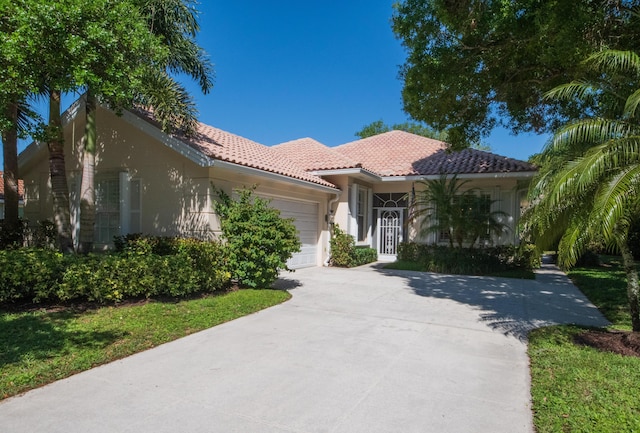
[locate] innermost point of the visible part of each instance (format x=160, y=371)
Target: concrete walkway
x=355, y=350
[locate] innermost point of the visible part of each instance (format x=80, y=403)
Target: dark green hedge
x=443, y=259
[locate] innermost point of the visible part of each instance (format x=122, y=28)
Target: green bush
x=342, y=246
x=114, y=277
x=30, y=274
x=444, y=259
x=160, y=245
x=409, y=251
x=258, y=240
x=364, y=255
x=37, y=275
x=208, y=262
x=344, y=252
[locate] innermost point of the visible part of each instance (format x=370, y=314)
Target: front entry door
x=389, y=232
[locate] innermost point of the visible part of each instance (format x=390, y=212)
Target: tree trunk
x=633, y=285
x=57, y=169
x=87, y=186
x=11, y=198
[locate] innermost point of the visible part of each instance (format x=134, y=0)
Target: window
x=468, y=219
x=107, y=209
x=361, y=214
x=118, y=206
x=136, y=198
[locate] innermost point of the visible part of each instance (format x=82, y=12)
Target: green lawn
x=39, y=347
x=580, y=389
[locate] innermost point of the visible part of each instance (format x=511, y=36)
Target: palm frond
x=615, y=61
x=172, y=105
x=616, y=198
x=582, y=134
x=570, y=91
x=574, y=242
x=631, y=104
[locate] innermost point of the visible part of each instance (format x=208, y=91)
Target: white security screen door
x=389, y=232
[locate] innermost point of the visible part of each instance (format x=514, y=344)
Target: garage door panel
x=305, y=218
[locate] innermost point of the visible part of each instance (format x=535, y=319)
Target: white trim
x=269, y=175
x=125, y=202
x=505, y=175
x=346, y=171
x=352, y=225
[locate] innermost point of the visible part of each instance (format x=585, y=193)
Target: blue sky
x=323, y=69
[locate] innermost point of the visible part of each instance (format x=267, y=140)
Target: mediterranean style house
x=155, y=183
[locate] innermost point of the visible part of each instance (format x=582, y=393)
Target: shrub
x=364, y=255
x=344, y=252
x=443, y=259
x=342, y=246
x=36, y=275
x=408, y=251
x=138, y=272
x=11, y=238
x=208, y=262
x=258, y=240
x=30, y=274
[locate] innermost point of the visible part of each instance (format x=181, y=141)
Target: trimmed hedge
x=443, y=259
x=188, y=267
x=30, y=274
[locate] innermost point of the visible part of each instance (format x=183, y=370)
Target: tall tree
x=379, y=127
x=473, y=64
x=175, y=24
x=72, y=45
x=16, y=82
x=589, y=184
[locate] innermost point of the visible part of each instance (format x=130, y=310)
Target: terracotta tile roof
x=469, y=161
x=225, y=146
x=20, y=187
x=311, y=155
x=399, y=153
x=393, y=153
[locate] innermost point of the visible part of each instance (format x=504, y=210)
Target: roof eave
x=358, y=172
x=501, y=175
x=272, y=176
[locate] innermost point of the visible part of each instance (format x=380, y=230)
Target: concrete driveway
x=355, y=350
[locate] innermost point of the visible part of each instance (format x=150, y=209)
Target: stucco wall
x=176, y=192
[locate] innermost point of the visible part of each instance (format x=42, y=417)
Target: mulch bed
x=620, y=342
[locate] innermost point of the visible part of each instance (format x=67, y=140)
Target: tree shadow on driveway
x=511, y=306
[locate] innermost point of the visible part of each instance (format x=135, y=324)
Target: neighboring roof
x=20, y=187
x=312, y=155
x=399, y=153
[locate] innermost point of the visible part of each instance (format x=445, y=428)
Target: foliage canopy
x=472, y=62
x=588, y=186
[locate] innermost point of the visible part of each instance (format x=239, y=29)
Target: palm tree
x=435, y=205
x=444, y=206
x=588, y=186
x=58, y=173
x=175, y=23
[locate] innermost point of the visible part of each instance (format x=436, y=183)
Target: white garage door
x=305, y=217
